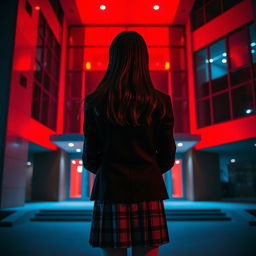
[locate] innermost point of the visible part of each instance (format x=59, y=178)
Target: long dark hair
x=126, y=86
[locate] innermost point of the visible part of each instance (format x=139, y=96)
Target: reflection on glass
x=201, y=72
x=218, y=65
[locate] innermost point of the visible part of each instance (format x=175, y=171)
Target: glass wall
x=46, y=76
x=204, y=11
x=87, y=53
x=225, y=77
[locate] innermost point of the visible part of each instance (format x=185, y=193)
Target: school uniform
x=129, y=188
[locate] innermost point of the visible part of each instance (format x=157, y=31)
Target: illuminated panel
x=158, y=58
x=177, y=185
x=75, y=179
x=97, y=56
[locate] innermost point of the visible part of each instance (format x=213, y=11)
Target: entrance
x=80, y=181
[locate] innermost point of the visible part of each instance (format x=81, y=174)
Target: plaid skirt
x=123, y=225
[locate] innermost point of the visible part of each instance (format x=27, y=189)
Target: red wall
x=20, y=122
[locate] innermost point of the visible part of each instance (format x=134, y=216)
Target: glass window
x=36, y=101
x=45, y=108
x=158, y=57
x=197, y=18
x=72, y=117
x=52, y=114
x=177, y=36
x=212, y=9
x=238, y=49
x=181, y=123
x=179, y=84
x=76, y=36
x=38, y=72
x=203, y=113
x=201, y=74
x=221, y=107
x=240, y=75
x=75, y=58
x=218, y=66
x=242, y=101
x=73, y=85
x=227, y=4
x=178, y=58
x=47, y=62
x=253, y=45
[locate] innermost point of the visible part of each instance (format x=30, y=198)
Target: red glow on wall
x=177, y=184
x=75, y=178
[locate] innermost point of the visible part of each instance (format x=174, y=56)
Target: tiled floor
x=188, y=238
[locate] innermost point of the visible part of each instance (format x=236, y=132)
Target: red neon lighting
x=75, y=179
x=177, y=185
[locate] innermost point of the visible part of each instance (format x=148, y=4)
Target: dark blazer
x=128, y=161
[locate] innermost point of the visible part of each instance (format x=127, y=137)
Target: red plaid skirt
x=123, y=225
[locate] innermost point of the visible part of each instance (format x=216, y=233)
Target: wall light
x=88, y=65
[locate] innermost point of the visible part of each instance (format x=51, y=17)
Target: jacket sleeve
x=166, y=147
x=91, y=152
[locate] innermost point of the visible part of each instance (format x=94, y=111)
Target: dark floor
x=190, y=234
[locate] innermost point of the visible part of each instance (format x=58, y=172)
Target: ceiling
x=135, y=12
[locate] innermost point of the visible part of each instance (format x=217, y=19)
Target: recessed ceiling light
x=177, y=161
x=103, y=7
x=156, y=7
x=78, y=150
x=180, y=144
x=71, y=144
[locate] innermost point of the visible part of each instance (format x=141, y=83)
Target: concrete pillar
x=202, y=176
x=9, y=194
x=49, y=181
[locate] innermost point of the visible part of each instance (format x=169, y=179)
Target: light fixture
x=156, y=7
x=167, y=65
x=177, y=161
x=28, y=163
x=248, y=111
x=224, y=60
x=180, y=144
x=73, y=161
x=79, y=169
x=232, y=160
x=80, y=162
x=70, y=144
x=253, y=44
x=103, y=7
x=88, y=65
x=78, y=150
x=37, y=7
